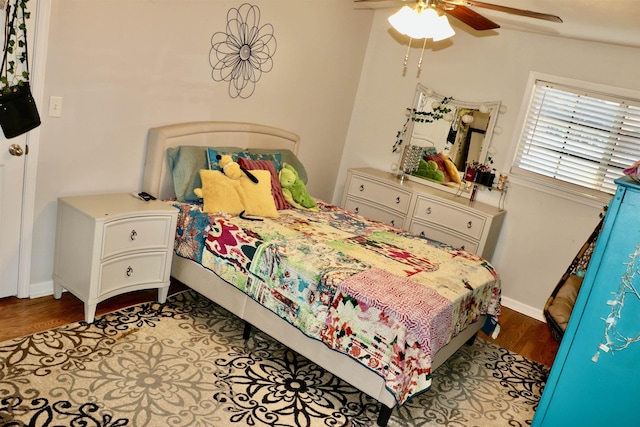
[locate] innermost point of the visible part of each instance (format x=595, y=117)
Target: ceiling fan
x=460, y=10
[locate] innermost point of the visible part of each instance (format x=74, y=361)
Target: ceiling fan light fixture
x=421, y=23
x=403, y=20
x=427, y=23
x=442, y=29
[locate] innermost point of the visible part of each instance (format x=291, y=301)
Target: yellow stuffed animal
x=237, y=196
x=229, y=167
x=232, y=169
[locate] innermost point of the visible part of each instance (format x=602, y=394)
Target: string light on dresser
x=613, y=340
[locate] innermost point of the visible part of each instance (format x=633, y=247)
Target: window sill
x=583, y=197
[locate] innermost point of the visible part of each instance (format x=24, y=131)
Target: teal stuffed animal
x=294, y=190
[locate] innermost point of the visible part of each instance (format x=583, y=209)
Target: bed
x=350, y=288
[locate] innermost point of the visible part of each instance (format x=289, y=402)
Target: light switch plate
x=55, y=106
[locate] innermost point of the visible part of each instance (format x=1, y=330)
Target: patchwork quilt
x=385, y=297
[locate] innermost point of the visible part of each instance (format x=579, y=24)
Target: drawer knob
x=129, y=271
x=422, y=234
x=393, y=222
x=133, y=235
x=361, y=187
x=462, y=247
x=357, y=210
x=469, y=224
x=398, y=200
x=428, y=211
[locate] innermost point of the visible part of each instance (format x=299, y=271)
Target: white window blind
x=572, y=137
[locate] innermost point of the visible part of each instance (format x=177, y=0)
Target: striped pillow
x=276, y=189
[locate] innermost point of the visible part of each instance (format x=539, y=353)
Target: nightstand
x=110, y=244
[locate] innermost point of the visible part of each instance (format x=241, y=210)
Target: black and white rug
x=185, y=364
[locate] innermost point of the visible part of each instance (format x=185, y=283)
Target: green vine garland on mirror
x=15, y=43
x=414, y=115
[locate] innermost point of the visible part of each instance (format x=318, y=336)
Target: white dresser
x=433, y=213
x=110, y=244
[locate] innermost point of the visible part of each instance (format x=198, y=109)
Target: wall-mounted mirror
x=462, y=130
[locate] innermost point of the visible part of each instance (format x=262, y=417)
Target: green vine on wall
x=414, y=115
x=16, y=48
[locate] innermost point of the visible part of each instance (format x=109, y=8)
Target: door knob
x=15, y=150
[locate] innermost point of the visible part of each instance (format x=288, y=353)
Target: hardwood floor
x=526, y=336
x=18, y=317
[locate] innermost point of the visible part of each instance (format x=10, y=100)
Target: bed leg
x=384, y=415
x=471, y=340
x=247, y=331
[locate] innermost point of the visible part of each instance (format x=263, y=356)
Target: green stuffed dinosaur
x=429, y=169
x=294, y=190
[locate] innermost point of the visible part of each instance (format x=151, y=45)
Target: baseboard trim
x=523, y=308
x=42, y=289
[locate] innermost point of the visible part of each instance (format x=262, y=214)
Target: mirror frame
x=423, y=94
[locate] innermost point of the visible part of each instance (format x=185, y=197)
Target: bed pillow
x=237, y=153
x=223, y=194
x=275, y=157
x=276, y=189
x=185, y=163
x=287, y=157
x=212, y=152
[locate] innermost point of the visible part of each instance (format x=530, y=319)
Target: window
x=577, y=139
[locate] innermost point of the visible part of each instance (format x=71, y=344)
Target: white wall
x=123, y=66
x=542, y=233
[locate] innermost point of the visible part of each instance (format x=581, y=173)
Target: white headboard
x=157, y=176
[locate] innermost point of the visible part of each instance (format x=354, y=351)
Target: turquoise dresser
x=595, y=379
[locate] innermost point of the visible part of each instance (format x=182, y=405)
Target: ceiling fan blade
x=469, y=17
x=511, y=10
x=379, y=1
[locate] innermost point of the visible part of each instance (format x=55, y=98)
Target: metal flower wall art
x=242, y=53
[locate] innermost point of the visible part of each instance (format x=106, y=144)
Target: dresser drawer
x=362, y=208
x=137, y=233
x=132, y=270
x=386, y=195
x=444, y=236
x=448, y=216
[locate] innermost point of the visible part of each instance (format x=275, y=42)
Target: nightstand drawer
x=132, y=270
x=455, y=240
x=373, y=212
x=463, y=222
x=134, y=234
x=387, y=196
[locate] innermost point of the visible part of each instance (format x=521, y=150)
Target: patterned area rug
x=185, y=364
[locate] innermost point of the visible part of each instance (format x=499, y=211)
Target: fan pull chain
x=406, y=58
x=424, y=43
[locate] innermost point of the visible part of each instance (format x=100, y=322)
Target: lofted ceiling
x=606, y=21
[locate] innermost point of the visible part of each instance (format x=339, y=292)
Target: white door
x=17, y=194
x=11, y=180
